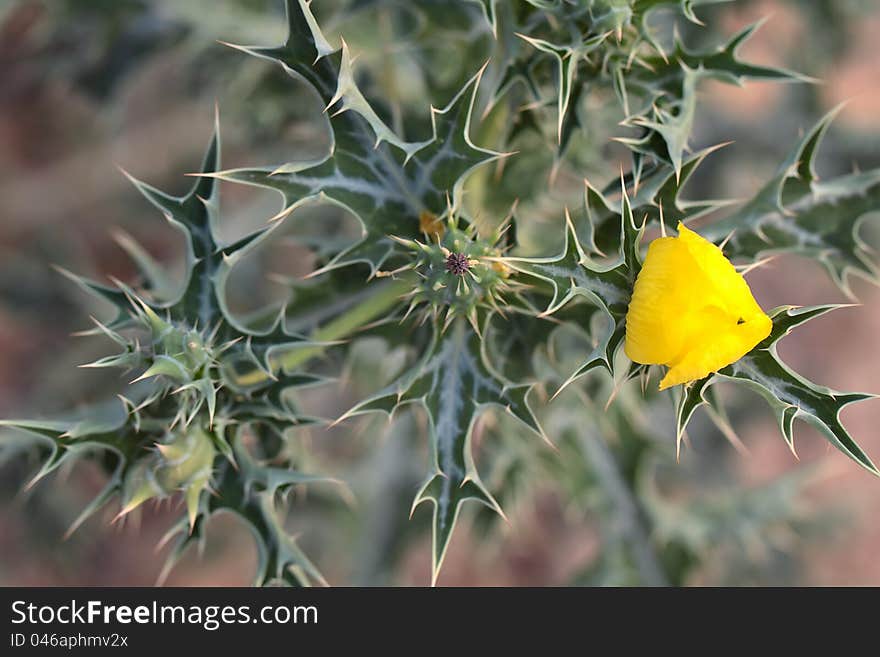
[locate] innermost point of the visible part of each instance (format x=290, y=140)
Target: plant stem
x=386, y=296
x=626, y=511
x=347, y=323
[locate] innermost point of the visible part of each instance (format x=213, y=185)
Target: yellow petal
x=691, y=310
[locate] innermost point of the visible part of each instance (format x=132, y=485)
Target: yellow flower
x=691, y=310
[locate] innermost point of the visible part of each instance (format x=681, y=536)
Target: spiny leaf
x=789, y=395
x=673, y=122
x=645, y=7
x=723, y=63
x=668, y=86
x=567, y=60
x=607, y=287
x=490, y=12
x=260, y=478
x=156, y=278
x=798, y=213
x=384, y=181
x=453, y=383
x=112, y=295
x=102, y=428
x=249, y=490
x=250, y=494
x=195, y=212
x=195, y=215
x=652, y=192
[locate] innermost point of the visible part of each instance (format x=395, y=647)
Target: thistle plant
x=453, y=267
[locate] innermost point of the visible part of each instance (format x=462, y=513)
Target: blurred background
x=89, y=86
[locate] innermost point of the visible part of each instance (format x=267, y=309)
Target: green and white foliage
x=385, y=181
x=798, y=213
x=789, y=395
x=487, y=323
x=453, y=383
x=204, y=385
x=574, y=49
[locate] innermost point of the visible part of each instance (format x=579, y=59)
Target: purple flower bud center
x=457, y=263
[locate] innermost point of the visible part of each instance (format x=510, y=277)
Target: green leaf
x=112, y=295
x=723, y=63
x=250, y=493
x=798, y=213
x=490, y=13
x=567, y=60
x=739, y=522
x=453, y=383
x=102, y=428
x=194, y=213
x=200, y=303
x=652, y=192
x=789, y=395
x=384, y=181
x=673, y=122
x=573, y=274
x=645, y=7
x=667, y=84
x=155, y=275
